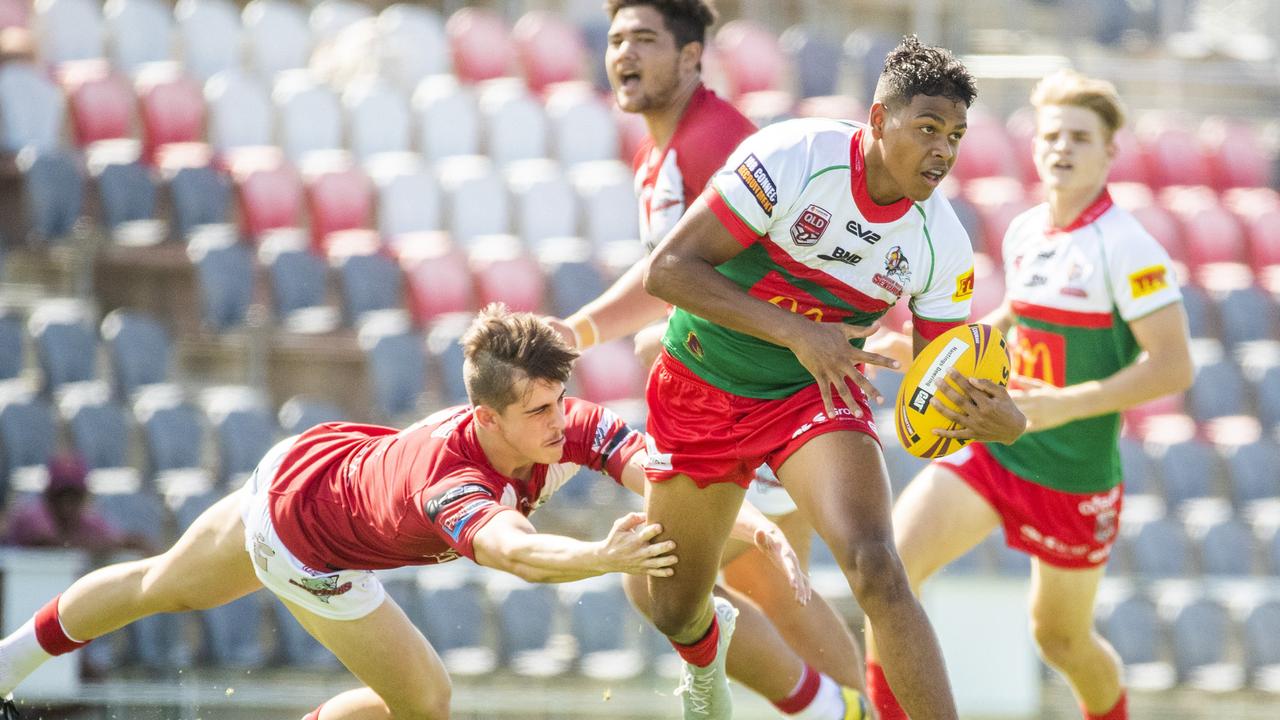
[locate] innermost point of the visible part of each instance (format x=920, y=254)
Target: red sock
x=803, y=694
x=881, y=696
x=314, y=714
x=1119, y=711
x=703, y=652
x=49, y=632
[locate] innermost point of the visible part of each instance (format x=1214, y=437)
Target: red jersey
x=669, y=179
x=366, y=497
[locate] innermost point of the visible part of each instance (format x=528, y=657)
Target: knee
x=1057, y=645
x=875, y=573
x=675, y=615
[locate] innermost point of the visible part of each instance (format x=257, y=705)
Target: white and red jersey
x=668, y=179
x=366, y=497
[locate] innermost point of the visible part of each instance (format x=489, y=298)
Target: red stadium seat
x=504, y=272
x=100, y=102
x=1212, y=234
x=15, y=13
x=1237, y=156
x=751, y=57
x=171, y=106
x=550, y=49
x=986, y=150
x=339, y=196
x=1174, y=157
x=268, y=190
x=1129, y=164
x=581, y=124
x=632, y=131
x=1263, y=232
x=436, y=274
x=1165, y=228
x=610, y=372
x=481, y=46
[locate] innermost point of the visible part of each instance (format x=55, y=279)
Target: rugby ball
x=975, y=350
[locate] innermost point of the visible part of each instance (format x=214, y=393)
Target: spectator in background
x=63, y=516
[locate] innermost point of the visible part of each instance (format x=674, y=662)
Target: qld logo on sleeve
x=758, y=182
x=1148, y=281
x=808, y=228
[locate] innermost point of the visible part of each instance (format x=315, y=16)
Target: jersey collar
x=869, y=208
x=1095, y=210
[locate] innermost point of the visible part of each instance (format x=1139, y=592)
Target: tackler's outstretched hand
x=630, y=548
x=824, y=350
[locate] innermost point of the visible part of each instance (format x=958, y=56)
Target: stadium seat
x=243, y=430
x=140, y=31
x=1212, y=234
x=632, y=134
x=1202, y=317
x=1227, y=547
x=1201, y=634
x=1190, y=469
x=12, y=344
x=210, y=36
x=339, y=196
x=301, y=412
x=600, y=621
x=1020, y=127
x=240, y=112
x=139, y=350
x=27, y=436
x=1132, y=626
x=1174, y=157
x=397, y=361
x=233, y=632
x=864, y=52
x=444, y=345
x=277, y=36
x=816, y=58
x=437, y=278
x=295, y=648
x=515, y=125
x=1247, y=313
x=550, y=49
x=65, y=342
x=50, y=199
x=544, y=204
x=1261, y=634
x=1219, y=389
x=170, y=106
x=15, y=14
x=378, y=118
x=100, y=102
x=582, y=125
x=1237, y=157
x=198, y=196
x=330, y=17
x=126, y=194
x=526, y=615
x=268, y=189
x=369, y=280
x=308, y=115
x=987, y=150
x=298, y=280
x=66, y=30
x=766, y=107
x=97, y=427
x=1137, y=468
x=414, y=44
x=408, y=195
x=610, y=372
x=447, y=117
x=172, y=432
x=456, y=621
x=573, y=277
x=606, y=193
x=1267, y=397
x=476, y=201
x=32, y=109
x=505, y=272
x=480, y=45
x=1165, y=227
x=1263, y=233
x=1160, y=549
x=1129, y=164
x=751, y=57
x=224, y=270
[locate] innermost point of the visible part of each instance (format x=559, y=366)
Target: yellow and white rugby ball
x=975, y=350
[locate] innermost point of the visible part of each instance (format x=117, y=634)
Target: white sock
x=20, y=655
x=827, y=704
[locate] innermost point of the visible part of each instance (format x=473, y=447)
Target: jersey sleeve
x=459, y=505
x=1141, y=275
x=596, y=438
x=944, y=299
x=760, y=180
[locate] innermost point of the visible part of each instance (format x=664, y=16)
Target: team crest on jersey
x=897, y=271
x=808, y=228
x=323, y=587
x=452, y=495
x=694, y=345
x=757, y=180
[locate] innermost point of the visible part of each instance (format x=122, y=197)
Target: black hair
x=687, y=20
x=914, y=68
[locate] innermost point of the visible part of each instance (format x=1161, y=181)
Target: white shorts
x=767, y=494
x=342, y=595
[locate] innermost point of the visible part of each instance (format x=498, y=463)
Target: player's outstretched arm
x=619, y=311
x=508, y=542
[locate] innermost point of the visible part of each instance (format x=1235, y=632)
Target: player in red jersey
x=802, y=658
x=325, y=508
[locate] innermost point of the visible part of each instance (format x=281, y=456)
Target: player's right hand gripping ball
x=975, y=350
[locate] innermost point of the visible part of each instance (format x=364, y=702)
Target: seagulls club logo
x=897, y=270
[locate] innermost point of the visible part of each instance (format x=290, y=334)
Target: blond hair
x=1068, y=87
x=501, y=348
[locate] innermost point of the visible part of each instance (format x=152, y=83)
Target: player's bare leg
x=403, y=675
x=815, y=631
x=937, y=519
x=839, y=481
x=205, y=568
x=1062, y=602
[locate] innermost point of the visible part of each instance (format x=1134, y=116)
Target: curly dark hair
x=687, y=20
x=914, y=68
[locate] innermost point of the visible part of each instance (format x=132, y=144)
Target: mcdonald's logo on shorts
x=1148, y=281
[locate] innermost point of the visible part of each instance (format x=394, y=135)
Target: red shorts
x=1069, y=530
x=714, y=436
